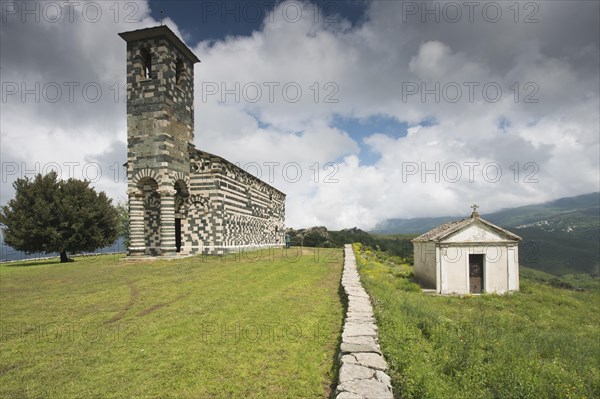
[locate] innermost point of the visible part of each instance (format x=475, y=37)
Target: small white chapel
x=468, y=256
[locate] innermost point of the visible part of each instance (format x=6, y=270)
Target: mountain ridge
x=560, y=236
x=588, y=204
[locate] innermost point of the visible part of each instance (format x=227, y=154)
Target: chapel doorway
x=475, y=273
x=178, y=234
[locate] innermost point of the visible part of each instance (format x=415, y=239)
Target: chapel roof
x=437, y=234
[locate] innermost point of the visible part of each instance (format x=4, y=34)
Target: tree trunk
x=64, y=257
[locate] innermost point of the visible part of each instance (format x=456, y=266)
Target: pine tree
x=50, y=215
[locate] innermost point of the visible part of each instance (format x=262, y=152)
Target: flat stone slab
x=372, y=360
x=356, y=292
x=360, y=319
x=356, y=304
x=349, y=372
x=354, y=330
x=358, y=313
x=383, y=378
x=360, y=324
x=367, y=389
x=348, y=395
x=362, y=340
x=346, y=347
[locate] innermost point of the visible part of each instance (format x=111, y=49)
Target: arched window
x=178, y=72
x=146, y=59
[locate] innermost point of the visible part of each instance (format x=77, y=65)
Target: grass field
x=259, y=324
x=543, y=342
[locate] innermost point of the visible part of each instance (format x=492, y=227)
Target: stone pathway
x=362, y=365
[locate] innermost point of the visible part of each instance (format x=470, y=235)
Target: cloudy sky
x=359, y=111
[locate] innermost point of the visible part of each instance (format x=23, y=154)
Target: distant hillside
x=564, y=214
x=559, y=237
x=411, y=226
x=580, y=212
x=319, y=236
x=398, y=245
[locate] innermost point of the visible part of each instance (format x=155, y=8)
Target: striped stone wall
x=237, y=209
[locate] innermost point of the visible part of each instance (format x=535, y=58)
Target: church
x=183, y=200
x=467, y=256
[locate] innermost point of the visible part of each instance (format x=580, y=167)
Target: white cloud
x=365, y=68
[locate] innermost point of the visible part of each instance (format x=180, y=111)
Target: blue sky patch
x=359, y=129
x=503, y=123
x=215, y=20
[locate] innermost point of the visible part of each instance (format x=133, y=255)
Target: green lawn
x=543, y=342
x=261, y=324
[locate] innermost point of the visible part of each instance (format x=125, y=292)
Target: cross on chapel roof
x=474, y=213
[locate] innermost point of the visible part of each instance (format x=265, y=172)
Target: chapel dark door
x=178, y=234
x=476, y=273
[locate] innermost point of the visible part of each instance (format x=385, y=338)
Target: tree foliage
x=50, y=215
x=123, y=221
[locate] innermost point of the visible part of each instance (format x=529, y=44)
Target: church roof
x=437, y=234
x=159, y=31
x=197, y=152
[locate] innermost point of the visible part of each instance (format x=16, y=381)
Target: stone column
x=167, y=222
x=137, y=239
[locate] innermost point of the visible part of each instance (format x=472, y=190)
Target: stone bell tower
x=160, y=132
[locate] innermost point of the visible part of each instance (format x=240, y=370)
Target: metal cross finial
x=474, y=207
x=161, y=17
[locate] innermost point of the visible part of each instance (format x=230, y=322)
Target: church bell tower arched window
x=146, y=59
